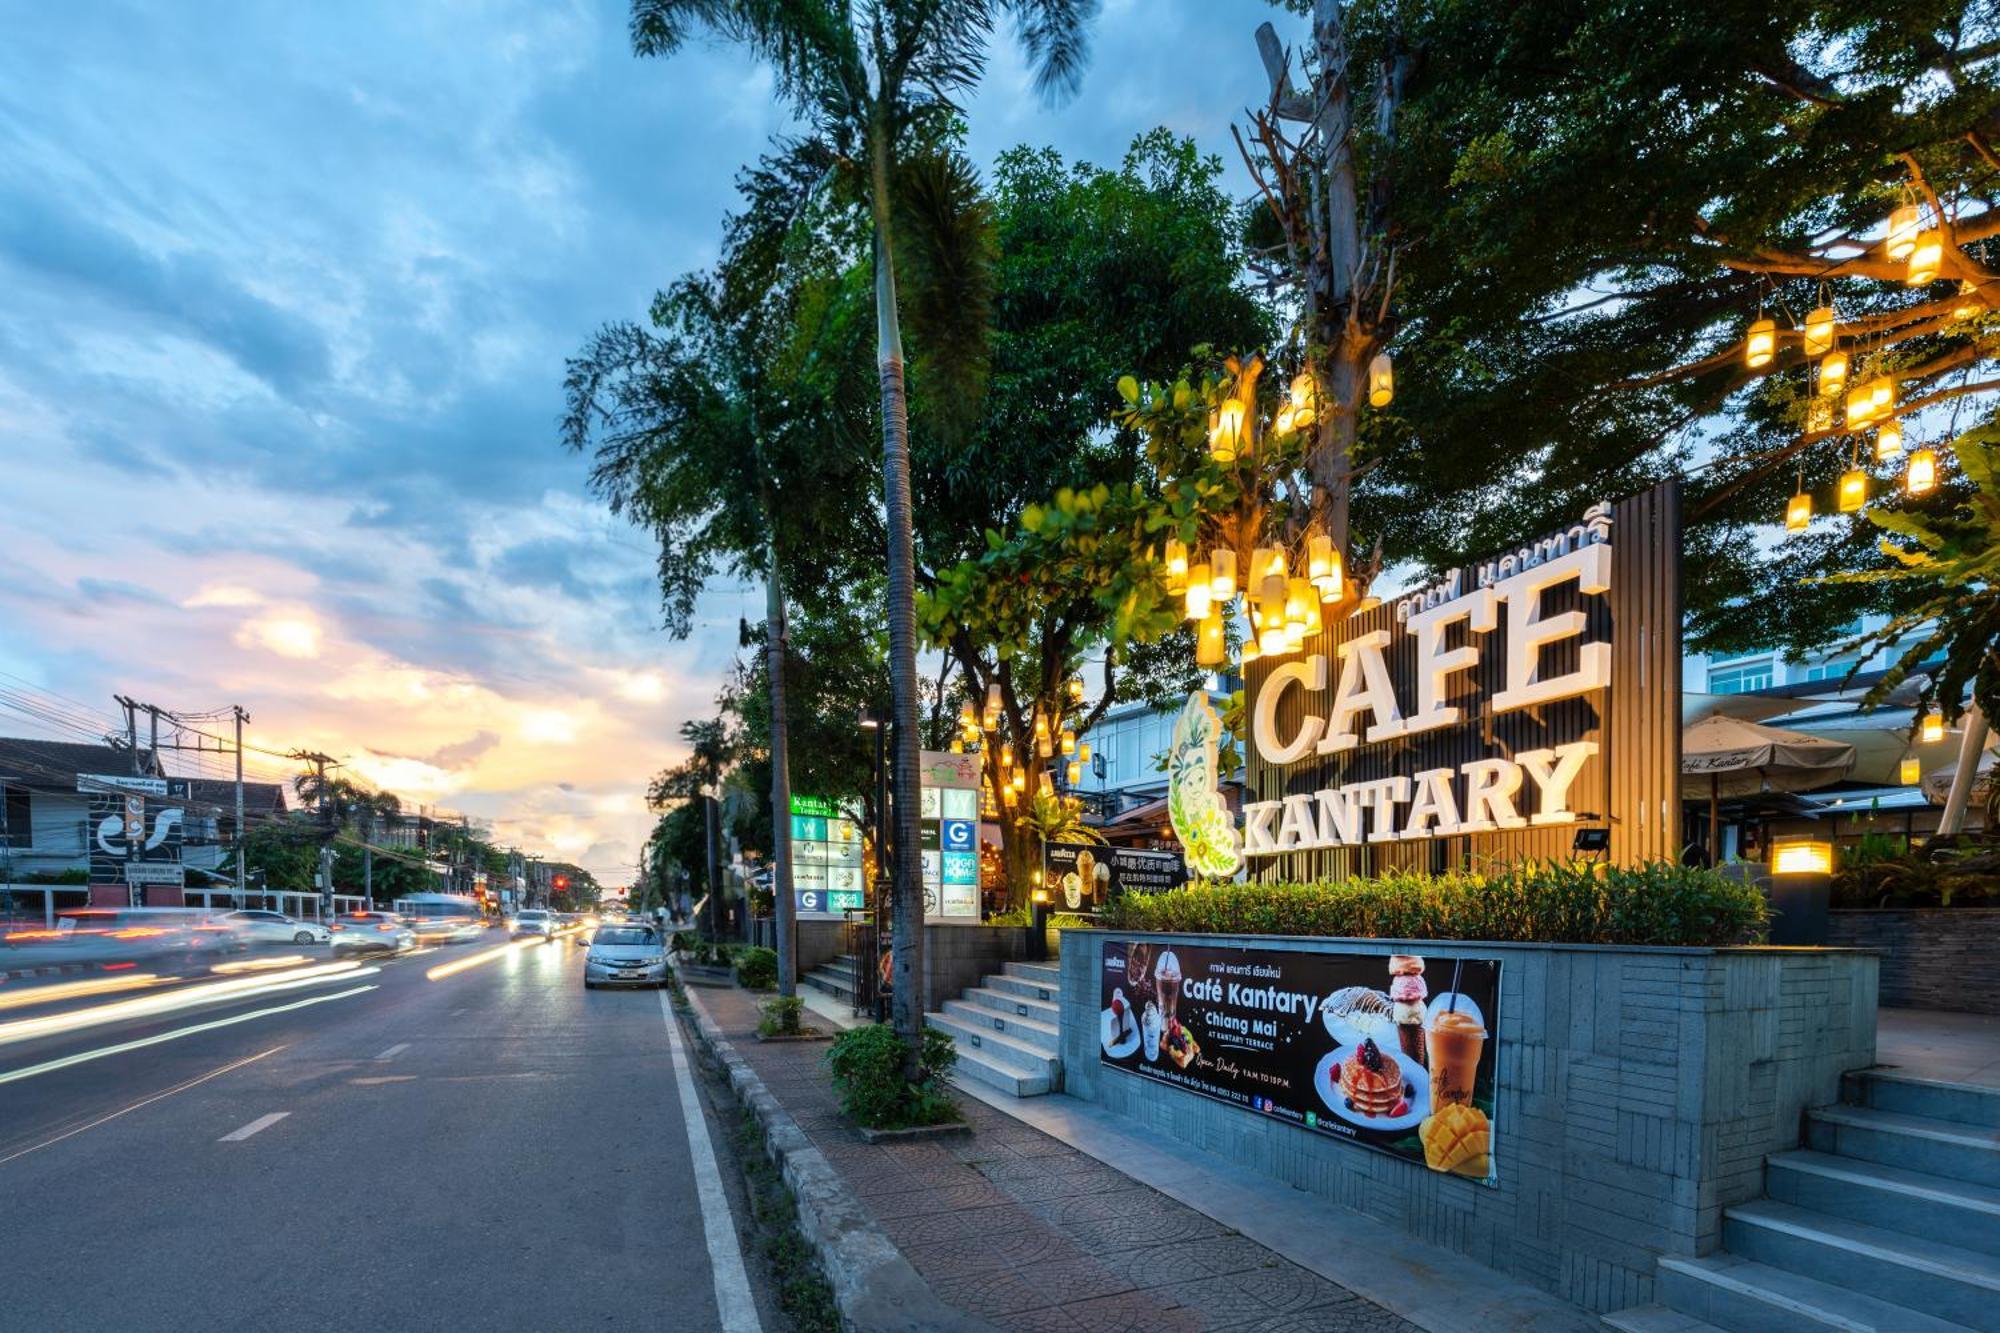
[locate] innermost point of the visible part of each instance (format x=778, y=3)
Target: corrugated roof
x=54, y=765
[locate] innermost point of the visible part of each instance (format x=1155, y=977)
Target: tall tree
x=872, y=79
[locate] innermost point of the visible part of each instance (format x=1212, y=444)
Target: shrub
x=867, y=1065
x=757, y=969
x=1013, y=916
x=1576, y=902
x=682, y=942
x=781, y=1016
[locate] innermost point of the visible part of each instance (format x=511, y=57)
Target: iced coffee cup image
x=1167, y=977
x=1150, y=1028
x=1455, y=1040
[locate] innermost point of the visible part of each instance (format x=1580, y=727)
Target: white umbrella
x=1728, y=756
x=1937, y=784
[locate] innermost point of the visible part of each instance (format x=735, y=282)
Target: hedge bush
x=1531, y=902
x=867, y=1065
x=757, y=969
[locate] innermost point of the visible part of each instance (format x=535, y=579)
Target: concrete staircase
x=1006, y=1030
x=1888, y=1219
x=836, y=978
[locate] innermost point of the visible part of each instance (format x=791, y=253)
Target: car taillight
x=385, y=928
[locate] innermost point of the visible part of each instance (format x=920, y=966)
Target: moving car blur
x=535, y=921
x=371, y=932
x=626, y=956
x=257, y=926
x=442, y=918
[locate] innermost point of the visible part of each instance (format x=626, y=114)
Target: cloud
x=460, y=753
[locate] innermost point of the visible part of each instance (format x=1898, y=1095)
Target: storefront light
x=1806, y=856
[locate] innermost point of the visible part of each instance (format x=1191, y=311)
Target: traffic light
x=562, y=882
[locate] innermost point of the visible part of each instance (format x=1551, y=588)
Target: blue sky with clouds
x=287, y=293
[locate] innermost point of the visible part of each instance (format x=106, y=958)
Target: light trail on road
x=458, y=965
x=259, y=964
x=69, y=990
x=148, y=1006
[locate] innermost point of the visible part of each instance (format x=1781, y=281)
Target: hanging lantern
x=1044, y=747
x=1221, y=574
x=1271, y=601
x=1069, y=737
x=1198, y=600
x=1860, y=406
x=957, y=745
x=1905, y=222
x=1225, y=435
x=1041, y=725
x=1381, y=381
x=1925, y=259
x=1177, y=566
x=1889, y=439
x=1833, y=373
x=1920, y=476
x=1007, y=754
x=1282, y=422
x=1314, y=623
x=1019, y=781
x=1883, y=391
x=1853, y=490
x=1967, y=306
x=1074, y=773
x=1271, y=640
x=1211, y=646
x=1251, y=652
x=967, y=721
x=1007, y=792
x=1295, y=635
x=1319, y=557
x=1083, y=752
x=1933, y=731
x=1819, y=416
x=1798, y=514
x=1045, y=784
x=1299, y=602
x=1303, y=399
x=1276, y=562
x=1910, y=772
x=1819, y=331
x=1761, y=344
x=1076, y=689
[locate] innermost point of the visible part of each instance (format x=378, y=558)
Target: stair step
x=1657, y=1319
x=1922, y=1274
x=1048, y=974
x=1886, y=1090
x=1032, y=988
x=1890, y=1197
x=1011, y=1051
x=835, y=985
x=1744, y=1296
x=1914, y=1143
x=1021, y=1006
x=976, y=1067
x=1043, y=1036
x=844, y=967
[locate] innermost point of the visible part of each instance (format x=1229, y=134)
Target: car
x=262, y=927
x=371, y=932
x=626, y=956
x=535, y=921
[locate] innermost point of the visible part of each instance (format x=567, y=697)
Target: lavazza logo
x=1481, y=795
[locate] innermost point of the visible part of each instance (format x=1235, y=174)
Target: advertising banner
x=826, y=859
x=948, y=835
x=1395, y=1052
x=135, y=828
x=1083, y=875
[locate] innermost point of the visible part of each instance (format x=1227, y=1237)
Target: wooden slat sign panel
x=1488, y=715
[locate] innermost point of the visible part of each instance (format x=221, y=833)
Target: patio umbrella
x=1728, y=756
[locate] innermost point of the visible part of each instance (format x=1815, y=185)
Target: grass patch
x=803, y=1292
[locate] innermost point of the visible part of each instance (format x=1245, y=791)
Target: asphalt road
x=493, y=1149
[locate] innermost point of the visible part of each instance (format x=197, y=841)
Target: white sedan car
x=255, y=926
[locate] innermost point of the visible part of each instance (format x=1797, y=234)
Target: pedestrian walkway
x=1951, y=1048
x=1012, y=1226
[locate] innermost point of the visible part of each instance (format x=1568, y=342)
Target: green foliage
x=781, y=1016
x=1013, y=916
x=53, y=877
x=1548, y=902
x=867, y=1067
x=1956, y=876
x=757, y=969
x=1053, y=818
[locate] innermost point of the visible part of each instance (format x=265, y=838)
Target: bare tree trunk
x=907, y=902
x=784, y=909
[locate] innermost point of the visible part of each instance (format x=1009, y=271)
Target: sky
x=285, y=296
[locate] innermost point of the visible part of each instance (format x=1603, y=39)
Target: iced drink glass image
x=1167, y=975
x=1456, y=1041
x=1150, y=1028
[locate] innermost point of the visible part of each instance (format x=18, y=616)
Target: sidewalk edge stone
x=876, y=1288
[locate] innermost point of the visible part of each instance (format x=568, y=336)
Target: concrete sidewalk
x=1016, y=1228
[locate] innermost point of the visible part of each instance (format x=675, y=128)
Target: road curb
x=876, y=1288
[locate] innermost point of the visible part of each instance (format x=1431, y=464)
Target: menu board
x=826, y=859
x=948, y=835
x=1396, y=1052
x=1083, y=875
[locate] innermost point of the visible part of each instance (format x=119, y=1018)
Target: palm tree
x=872, y=78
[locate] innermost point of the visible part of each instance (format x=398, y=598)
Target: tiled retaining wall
x=956, y=957
x=1639, y=1091
x=1932, y=958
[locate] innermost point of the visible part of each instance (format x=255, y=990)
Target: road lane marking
x=80, y=1057
x=257, y=1126
x=383, y=1078
x=145, y=1101
x=733, y=1302
x=394, y=1051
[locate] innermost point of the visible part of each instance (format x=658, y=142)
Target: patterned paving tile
x=996, y=1291
x=1132, y=1312
x=1286, y=1288
x=909, y=1203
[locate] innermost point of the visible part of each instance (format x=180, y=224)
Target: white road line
x=257, y=1126
x=66, y=1061
x=733, y=1301
x=144, y=1101
x=394, y=1051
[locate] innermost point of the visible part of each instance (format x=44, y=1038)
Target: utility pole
x=368, y=863
x=242, y=839
x=714, y=872
x=131, y=729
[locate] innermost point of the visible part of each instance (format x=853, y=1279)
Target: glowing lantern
x=1266, y=561
x=1069, y=737
x=1044, y=747
x=1045, y=784
x=1853, y=490
x=1819, y=331
x=1381, y=381
x=1282, y=423
x=992, y=705
x=1968, y=306
x=1833, y=373
x=967, y=721
x=1198, y=600
x=1933, y=729
x=1074, y=773
x=1177, y=566
x=1314, y=624
x=1226, y=436
x=1271, y=590
x=1761, y=344
x=1041, y=726
x=1211, y=648
x=1019, y=782
x=1304, y=398
x=1295, y=635
x=1007, y=755
x=1925, y=259
x=1272, y=642
x=1860, y=405
x=1920, y=476
x=1883, y=390
x=1889, y=439
x=1076, y=689
x=1904, y=224
x=1299, y=602
x=1251, y=652
x=1819, y=416
x=1808, y=857
x=1798, y=514
x=1910, y=772
x=1083, y=753
x=1221, y=574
